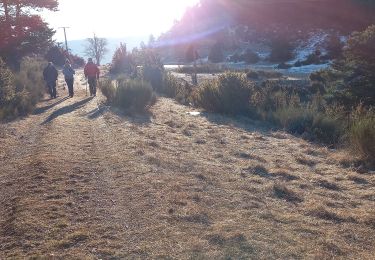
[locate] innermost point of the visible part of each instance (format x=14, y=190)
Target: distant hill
x=240, y=24
x=78, y=46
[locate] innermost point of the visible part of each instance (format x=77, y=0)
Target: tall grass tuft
x=362, y=136
x=20, y=92
x=108, y=89
x=131, y=94
x=177, y=88
x=229, y=93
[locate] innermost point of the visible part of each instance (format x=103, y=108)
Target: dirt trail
x=79, y=180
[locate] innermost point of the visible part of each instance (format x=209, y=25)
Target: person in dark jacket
x=69, y=72
x=92, y=74
x=50, y=75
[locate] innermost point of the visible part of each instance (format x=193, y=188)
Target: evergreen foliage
x=122, y=61
x=216, y=53
x=131, y=94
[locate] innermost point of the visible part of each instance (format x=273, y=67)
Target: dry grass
x=171, y=185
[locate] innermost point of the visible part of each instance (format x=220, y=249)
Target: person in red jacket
x=92, y=74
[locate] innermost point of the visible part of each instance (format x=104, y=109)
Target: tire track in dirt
x=51, y=173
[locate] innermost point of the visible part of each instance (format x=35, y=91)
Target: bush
x=30, y=79
x=129, y=93
x=7, y=90
x=122, y=62
x=334, y=47
x=177, y=88
x=235, y=58
x=229, y=93
x=313, y=58
x=362, y=136
x=262, y=74
x=281, y=50
x=326, y=129
x=19, y=93
x=216, y=54
x=207, y=96
x=352, y=80
x=58, y=56
x=250, y=57
x=108, y=90
x=294, y=119
x=252, y=75
x=155, y=75
x=314, y=125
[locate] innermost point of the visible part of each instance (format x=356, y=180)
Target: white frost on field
x=308, y=68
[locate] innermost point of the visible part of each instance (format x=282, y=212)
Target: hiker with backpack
x=50, y=75
x=69, y=72
x=92, y=75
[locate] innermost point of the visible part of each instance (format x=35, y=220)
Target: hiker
x=92, y=74
x=50, y=75
x=69, y=72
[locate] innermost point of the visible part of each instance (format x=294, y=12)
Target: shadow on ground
x=66, y=110
x=135, y=117
x=97, y=112
x=41, y=110
x=241, y=122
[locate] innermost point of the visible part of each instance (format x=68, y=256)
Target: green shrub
x=262, y=74
x=229, y=93
x=250, y=57
x=314, y=125
x=281, y=50
x=334, y=47
x=362, y=136
x=294, y=119
x=235, y=57
x=134, y=94
x=7, y=90
x=155, y=75
x=30, y=79
x=326, y=129
x=216, y=54
x=207, y=96
x=252, y=75
x=128, y=93
x=20, y=92
x=122, y=62
x=177, y=88
x=108, y=90
x=313, y=58
x=351, y=80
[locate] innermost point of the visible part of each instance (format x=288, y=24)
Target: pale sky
x=115, y=18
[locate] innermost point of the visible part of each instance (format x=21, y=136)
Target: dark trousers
x=92, y=86
x=70, y=83
x=52, y=88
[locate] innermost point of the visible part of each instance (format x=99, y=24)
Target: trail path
x=79, y=180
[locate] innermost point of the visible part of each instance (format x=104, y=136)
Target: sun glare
x=117, y=18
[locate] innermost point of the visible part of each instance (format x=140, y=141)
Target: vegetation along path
x=80, y=180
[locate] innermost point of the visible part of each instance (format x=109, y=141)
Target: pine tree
x=216, y=53
x=358, y=68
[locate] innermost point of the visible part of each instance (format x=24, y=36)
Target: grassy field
x=81, y=180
